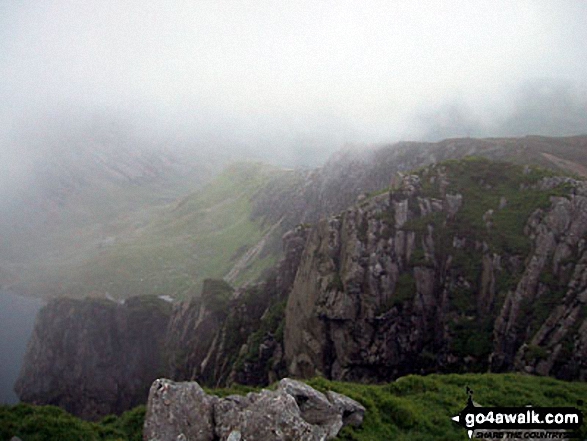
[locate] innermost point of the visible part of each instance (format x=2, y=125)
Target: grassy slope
x=58, y=268
x=44, y=423
x=171, y=253
x=419, y=408
x=411, y=408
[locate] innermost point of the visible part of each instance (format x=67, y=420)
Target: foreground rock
x=295, y=411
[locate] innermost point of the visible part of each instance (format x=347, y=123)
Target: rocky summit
x=183, y=411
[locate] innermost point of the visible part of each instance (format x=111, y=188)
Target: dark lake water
x=17, y=318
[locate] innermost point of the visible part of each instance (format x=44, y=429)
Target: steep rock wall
x=240, y=338
x=94, y=357
x=439, y=275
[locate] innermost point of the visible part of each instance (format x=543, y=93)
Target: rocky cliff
x=462, y=266
x=227, y=335
x=94, y=357
x=465, y=265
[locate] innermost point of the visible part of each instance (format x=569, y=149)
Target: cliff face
x=94, y=357
x=464, y=266
x=225, y=336
x=193, y=328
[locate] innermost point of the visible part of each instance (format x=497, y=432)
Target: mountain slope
x=463, y=266
x=74, y=200
x=100, y=221
x=468, y=265
x=170, y=250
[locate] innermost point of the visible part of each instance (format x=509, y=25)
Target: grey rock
x=267, y=415
x=401, y=213
x=315, y=408
x=503, y=202
x=177, y=410
x=352, y=412
x=294, y=411
x=94, y=357
x=453, y=203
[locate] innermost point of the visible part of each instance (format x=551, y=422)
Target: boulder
x=178, y=411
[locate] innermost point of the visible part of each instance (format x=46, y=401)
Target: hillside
x=411, y=408
x=463, y=266
x=77, y=197
x=468, y=265
x=126, y=221
x=202, y=235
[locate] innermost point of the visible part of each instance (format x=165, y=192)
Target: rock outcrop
x=226, y=336
x=94, y=357
x=463, y=266
x=294, y=411
x=457, y=269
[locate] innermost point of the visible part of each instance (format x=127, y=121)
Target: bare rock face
x=94, y=357
x=230, y=335
x=422, y=280
x=193, y=329
x=557, y=266
x=177, y=410
x=295, y=411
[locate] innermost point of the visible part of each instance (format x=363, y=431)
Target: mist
x=211, y=81
x=289, y=83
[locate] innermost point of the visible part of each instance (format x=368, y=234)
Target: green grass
x=216, y=295
x=483, y=183
x=44, y=423
x=412, y=408
x=419, y=408
x=192, y=240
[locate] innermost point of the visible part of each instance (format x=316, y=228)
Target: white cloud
x=333, y=69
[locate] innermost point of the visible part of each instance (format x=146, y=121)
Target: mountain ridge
x=464, y=265
x=286, y=199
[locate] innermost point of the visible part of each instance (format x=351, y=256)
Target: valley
x=451, y=258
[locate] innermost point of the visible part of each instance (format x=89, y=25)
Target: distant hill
x=205, y=234
x=78, y=198
x=123, y=221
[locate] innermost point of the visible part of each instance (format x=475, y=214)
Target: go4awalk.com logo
x=519, y=422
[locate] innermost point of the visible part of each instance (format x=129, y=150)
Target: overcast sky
x=297, y=73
